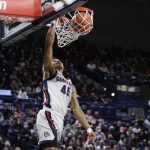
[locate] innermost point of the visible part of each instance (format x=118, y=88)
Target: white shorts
x=50, y=126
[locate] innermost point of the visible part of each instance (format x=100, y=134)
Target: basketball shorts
x=50, y=127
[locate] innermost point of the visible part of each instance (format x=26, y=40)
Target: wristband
x=89, y=130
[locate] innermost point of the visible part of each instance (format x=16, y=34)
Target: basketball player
x=58, y=93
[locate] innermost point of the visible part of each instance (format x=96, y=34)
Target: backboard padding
x=24, y=29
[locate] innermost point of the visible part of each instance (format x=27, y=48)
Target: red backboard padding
x=20, y=8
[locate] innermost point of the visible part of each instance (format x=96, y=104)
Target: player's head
x=58, y=65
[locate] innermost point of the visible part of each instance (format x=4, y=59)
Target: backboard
x=30, y=17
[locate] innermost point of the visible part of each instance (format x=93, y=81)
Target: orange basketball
x=82, y=22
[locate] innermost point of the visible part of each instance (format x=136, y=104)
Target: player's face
x=58, y=65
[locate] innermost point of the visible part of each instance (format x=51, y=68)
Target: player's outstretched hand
x=50, y=35
x=51, y=28
x=91, y=136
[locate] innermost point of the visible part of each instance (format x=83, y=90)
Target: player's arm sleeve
x=48, y=68
x=78, y=111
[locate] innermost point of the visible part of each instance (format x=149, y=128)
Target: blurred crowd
x=114, y=64
x=21, y=67
x=18, y=132
x=18, y=129
x=21, y=72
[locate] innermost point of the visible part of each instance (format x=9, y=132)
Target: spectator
x=22, y=94
x=147, y=121
x=91, y=66
x=1, y=143
x=17, y=148
x=1, y=118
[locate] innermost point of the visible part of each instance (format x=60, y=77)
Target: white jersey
x=57, y=93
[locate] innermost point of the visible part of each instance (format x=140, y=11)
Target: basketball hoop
x=76, y=23
x=22, y=17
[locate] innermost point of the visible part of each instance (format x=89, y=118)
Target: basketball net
x=69, y=30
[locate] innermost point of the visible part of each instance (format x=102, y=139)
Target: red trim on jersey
x=50, y=121
x=46, y=95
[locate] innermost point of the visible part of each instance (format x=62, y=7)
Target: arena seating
x=115, y=124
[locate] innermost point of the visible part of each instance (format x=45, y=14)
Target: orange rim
x=83, y=9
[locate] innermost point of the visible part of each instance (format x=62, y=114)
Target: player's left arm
x=80, y=115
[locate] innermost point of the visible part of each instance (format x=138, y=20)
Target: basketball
x=82, y=22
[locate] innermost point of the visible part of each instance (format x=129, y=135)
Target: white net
x=69, y=27
x=65, y=33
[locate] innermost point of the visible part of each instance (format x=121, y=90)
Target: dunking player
x=58, y=93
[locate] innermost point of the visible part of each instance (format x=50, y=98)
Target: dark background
x=121, y=22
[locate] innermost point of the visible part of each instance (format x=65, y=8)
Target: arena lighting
x=105, y=89
x=112, y=94
x=4, y=92
x=149, y=102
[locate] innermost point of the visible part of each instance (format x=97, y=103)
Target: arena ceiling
x=121, y=22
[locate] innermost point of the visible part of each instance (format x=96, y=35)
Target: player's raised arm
x=48, y=69
x=80, y=115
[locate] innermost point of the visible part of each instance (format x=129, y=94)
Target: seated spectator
x=1, y=118
x=147, y=122
x=22, y=94
x=17, y=148
x=7, y=145
x=1, y=143
x=91, y=66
